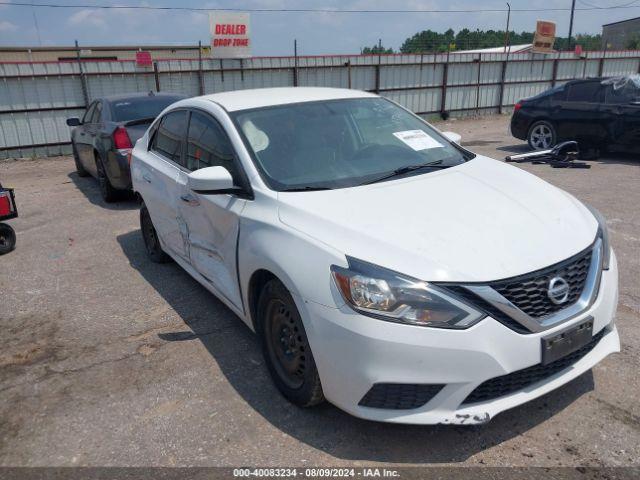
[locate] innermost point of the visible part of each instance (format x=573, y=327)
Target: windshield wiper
x=305, y=189
x=409, y=168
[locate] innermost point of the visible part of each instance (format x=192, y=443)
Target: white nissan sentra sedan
x=385, y=268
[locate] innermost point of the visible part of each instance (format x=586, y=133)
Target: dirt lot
x=108, y=359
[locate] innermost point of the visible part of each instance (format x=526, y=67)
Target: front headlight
x=387, y=295
x=603, y=233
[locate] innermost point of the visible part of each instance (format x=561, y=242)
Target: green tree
x=429, y=41
x=376, y=50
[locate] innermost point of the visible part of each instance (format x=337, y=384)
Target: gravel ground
x=108, y=359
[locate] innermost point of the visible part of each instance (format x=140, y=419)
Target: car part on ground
x=562, y=155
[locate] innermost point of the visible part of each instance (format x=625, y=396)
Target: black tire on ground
x=7, y=238
x=109, y=194
x=150, y=237
x=79, y=168
x=286, y=348
x=542, y=135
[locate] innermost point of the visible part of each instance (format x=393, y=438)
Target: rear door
x=160, y=171
x=212, y=221
x=581, y=116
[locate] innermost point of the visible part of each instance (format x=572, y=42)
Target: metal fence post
x=554, y=75
x=200, y=78
x=83, y=80
x=378, y=66
x=349, y=73
x=478, y=84
x=156, y=76
x=295, y=62
x=503, y=76
x=445, y=80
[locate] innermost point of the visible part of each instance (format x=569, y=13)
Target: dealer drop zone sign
x=230, y=34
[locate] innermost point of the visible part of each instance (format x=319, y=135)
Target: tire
x=7, y=238
x=150, y=237
x=286, y=348
x=79, y=168
x=542, y=135
x=109, y=194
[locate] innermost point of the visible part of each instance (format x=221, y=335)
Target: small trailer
x=8, y=211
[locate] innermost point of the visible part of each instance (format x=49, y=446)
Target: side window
x=89, y=113
x=584, y=92
x=97, y=113
x=208, y=144
x=169, y=138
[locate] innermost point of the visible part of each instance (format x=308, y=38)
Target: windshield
x=136, y=108
x=341, y=143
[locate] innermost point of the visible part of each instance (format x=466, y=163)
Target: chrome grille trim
x=534, y=325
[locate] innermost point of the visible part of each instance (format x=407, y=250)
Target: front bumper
x=354, y=352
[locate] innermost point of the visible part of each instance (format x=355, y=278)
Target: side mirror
x=453, y=136
x=73, y=121
x=211, y=180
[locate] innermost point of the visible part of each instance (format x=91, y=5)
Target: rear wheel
x=150, y=237
x=82, y=172
x=542, y=135
x=109, y=194
x=286, y=347
x=7, y=238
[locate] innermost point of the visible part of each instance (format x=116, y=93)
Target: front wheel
x=82, y=172
x=286, y=347
x=542, y=135
x=7, y=238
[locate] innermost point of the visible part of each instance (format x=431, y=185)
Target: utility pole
x=573, y=8
x=506, y=33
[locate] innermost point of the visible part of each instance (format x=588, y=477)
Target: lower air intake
x=399, y=396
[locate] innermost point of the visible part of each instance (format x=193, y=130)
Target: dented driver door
x=211, y=221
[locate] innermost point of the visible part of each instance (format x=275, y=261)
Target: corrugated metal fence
x=36, y=98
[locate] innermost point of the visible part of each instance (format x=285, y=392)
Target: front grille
x=512, y=382
x=399, y=396
x=529, y=292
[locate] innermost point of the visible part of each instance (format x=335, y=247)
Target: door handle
x=146, y=178
x=190, y=199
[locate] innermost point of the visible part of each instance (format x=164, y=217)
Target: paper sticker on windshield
x=418, y=140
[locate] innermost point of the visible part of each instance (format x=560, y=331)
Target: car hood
x=479, y=221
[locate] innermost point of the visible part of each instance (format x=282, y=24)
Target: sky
x=273, y=33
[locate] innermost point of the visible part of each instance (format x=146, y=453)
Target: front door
x=622, y=101
x=82, y=139
x=212, y=220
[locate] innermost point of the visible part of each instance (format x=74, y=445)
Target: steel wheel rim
x=541, y=137
x=287, y=346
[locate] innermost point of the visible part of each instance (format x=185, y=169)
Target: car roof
x=136, y=95
x=267, y=97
